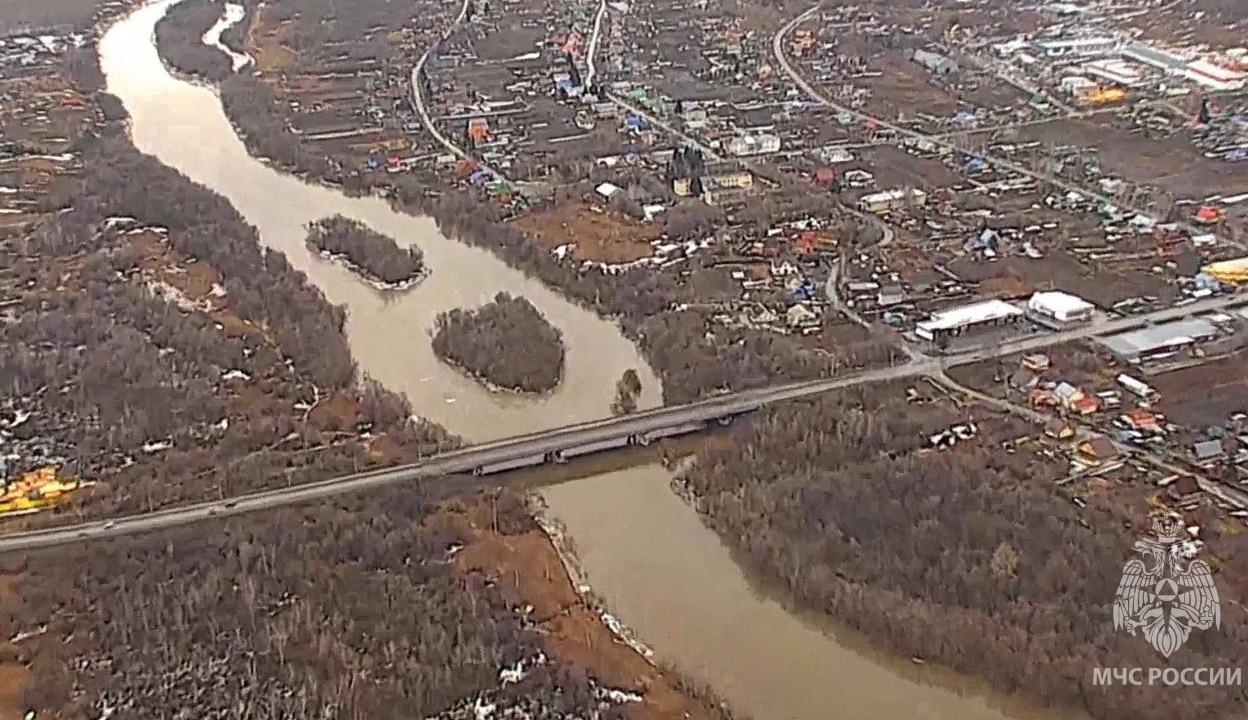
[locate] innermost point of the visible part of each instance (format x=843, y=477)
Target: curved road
x=468, y=459
x=591, y=51
x=418, y=100
x=777, y=48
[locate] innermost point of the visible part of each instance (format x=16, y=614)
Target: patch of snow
x=234, y=13
x=621, y=696
x=152, y=448
x=483, y=710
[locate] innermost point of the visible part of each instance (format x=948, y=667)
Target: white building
x=1076, y=84
x=955, y=321
x=1214, y=77
x=1116, y=71
x=890, y=200
x=1153, y=57
x=1080, y=46
x=607, y=191
x=1059, y=308
x=754, y=144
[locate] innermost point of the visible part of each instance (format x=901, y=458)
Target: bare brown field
x=23, y=14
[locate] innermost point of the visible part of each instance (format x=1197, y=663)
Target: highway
x=619, y=430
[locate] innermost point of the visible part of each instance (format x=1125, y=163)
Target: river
x=643, y=549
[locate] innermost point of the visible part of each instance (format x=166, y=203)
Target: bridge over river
x=561, y=444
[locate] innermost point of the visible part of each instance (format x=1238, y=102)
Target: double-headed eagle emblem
x=1165, y=593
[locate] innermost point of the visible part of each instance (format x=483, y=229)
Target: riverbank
x=535, y=566
x=643, y=550
x=663, y=314
x=396, y=358
x=367, y=277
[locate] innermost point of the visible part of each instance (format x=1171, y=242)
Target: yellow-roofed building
x=1234, y=271
x=35, y=490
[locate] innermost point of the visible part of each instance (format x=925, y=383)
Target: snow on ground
x=233, y=15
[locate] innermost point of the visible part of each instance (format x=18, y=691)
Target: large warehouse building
x=1160, y=342
x=953, y=322
x=1058, y=309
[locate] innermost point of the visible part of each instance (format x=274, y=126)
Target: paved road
x=707, y=151
x=777, y=47
x=418, y=102
x=591, y=51
x=1159, y=457
x=465, y=460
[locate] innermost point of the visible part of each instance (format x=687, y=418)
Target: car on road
x=110, y=524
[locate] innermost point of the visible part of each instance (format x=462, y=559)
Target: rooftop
x=1159, y=337
x=1059, y=303
x=980, y=312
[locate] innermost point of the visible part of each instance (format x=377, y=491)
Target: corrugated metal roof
x=1207, y=449
x=966, y=315
x=1159, y=337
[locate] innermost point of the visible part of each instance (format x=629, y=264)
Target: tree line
x=505, y=342
x=179, y=39
x=107, y=364
x=348, y=609
x=690, y=354
x=969, y=557
x=375, y=255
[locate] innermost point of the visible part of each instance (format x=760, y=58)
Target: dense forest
x=179, y=38
x=372, y=254
x=165, y=402
x=346, y=610
x=970, y=557
x=505, y=342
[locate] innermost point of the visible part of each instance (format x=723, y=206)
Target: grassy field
x=24, y=14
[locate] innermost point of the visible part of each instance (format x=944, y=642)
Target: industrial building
x=1214, y=77
x=1058, y=310
x=1233, y=272
x=954, y=322
x=1159, y=342
x=1083, y=46
x=1115, y=71
x=891, y=200
x=1151, y=56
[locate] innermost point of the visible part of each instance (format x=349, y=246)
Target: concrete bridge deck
x=561, y=443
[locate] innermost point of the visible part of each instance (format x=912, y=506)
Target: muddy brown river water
x=643, y=549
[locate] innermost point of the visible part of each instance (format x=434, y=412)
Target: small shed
x=607, y=191
x=1098, y=450
x=1207, y=450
